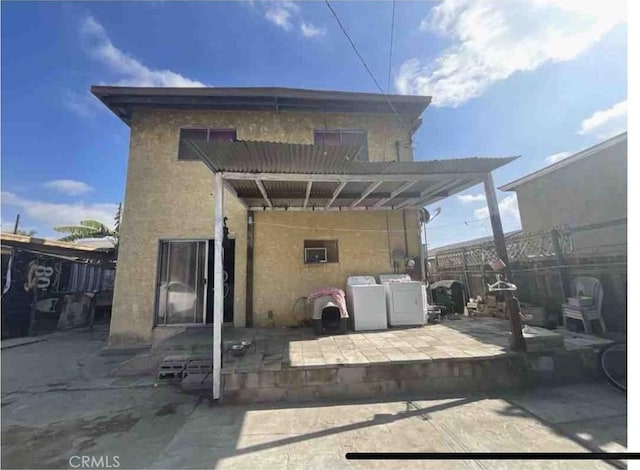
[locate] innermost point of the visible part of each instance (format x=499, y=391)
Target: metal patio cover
x=284, y=176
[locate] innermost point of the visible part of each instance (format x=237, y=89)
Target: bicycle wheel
x=613, y=363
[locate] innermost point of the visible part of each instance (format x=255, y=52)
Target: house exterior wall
x=589, y=191
x=170, y=199
x=365, y=247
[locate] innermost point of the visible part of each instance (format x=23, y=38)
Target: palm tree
x=92, y=229
x=117, y=218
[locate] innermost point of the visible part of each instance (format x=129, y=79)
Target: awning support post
x=218, y=287
x=496, y=223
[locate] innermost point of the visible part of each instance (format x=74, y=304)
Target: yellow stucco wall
x=170, y=199
x=589, y=191
x=364, y=247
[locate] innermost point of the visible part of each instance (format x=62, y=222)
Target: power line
x=393, y=18
x=364, y=63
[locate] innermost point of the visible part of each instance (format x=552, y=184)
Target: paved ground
x=273, y=349
x=57, y=402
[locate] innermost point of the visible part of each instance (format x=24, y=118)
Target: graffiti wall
x=39, y=285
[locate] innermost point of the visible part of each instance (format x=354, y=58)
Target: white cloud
x=467, y=198
x=286, y=14
x=69, y=187
x=83, y=104
x=607, y=122
x=130, y=70
x=556, y=157
x=493, y=39
x=6, y=227
x=281, y=13
x=311, y=31
x=508, y=207
x=46, y=215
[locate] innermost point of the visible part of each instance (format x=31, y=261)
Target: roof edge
x=47, y=242
x=255, y=91
x=565, y=162
x=121, y=100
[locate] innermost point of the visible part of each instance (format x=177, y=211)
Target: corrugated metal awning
x=274, y=175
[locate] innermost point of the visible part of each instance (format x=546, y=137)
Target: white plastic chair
x=590, y=287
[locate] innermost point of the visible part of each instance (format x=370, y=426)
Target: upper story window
x=211, y=135
x=343, y=137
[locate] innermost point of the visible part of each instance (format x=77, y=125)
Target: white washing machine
x=404, y=298
x=366, y=303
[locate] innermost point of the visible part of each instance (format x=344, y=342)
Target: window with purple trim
x=208, y=135
x=344, y=137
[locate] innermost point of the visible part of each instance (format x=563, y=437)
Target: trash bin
x=449, y=294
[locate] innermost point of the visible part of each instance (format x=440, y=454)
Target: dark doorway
x=228, y=264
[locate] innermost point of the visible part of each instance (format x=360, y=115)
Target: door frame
x=208, y=292
x=159, y=274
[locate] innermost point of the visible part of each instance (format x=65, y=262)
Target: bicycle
x=613, y=363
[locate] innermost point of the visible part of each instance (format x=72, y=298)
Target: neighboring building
x=38, y=274
x=348, y=193
x=587, y=192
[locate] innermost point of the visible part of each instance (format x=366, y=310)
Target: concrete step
x=176, y=368
x=393, y=379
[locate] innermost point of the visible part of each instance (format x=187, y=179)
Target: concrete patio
x=465, y=354
x=274, y=349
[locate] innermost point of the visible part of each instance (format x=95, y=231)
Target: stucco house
x=586, y=191
x=316, y=186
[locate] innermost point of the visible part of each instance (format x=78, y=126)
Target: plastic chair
x=590, y=287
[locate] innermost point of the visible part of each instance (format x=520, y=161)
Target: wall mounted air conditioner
x=315, y=255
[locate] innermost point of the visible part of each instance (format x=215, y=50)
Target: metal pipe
x=496, y=223
x=250, y=237
x=218, y=285
x=421, y=221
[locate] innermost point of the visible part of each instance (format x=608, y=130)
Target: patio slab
x=465, y=338
x=462, y=355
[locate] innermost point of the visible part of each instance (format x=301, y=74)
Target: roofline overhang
x=513, y=185
x=122, y=100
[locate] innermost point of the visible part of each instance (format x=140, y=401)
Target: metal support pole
x=465, y=274
x=564, y=282
x=421, y=224
x=483, y=275
x=218, y=286
x=518, y=342
x=496, y=223
x=250, y=235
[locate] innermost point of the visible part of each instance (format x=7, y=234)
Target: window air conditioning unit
x=315, y=255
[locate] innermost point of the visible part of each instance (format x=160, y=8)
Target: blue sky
x=536, y=78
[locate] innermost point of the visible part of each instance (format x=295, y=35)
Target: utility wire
x=364, y=63
x=393, y=20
